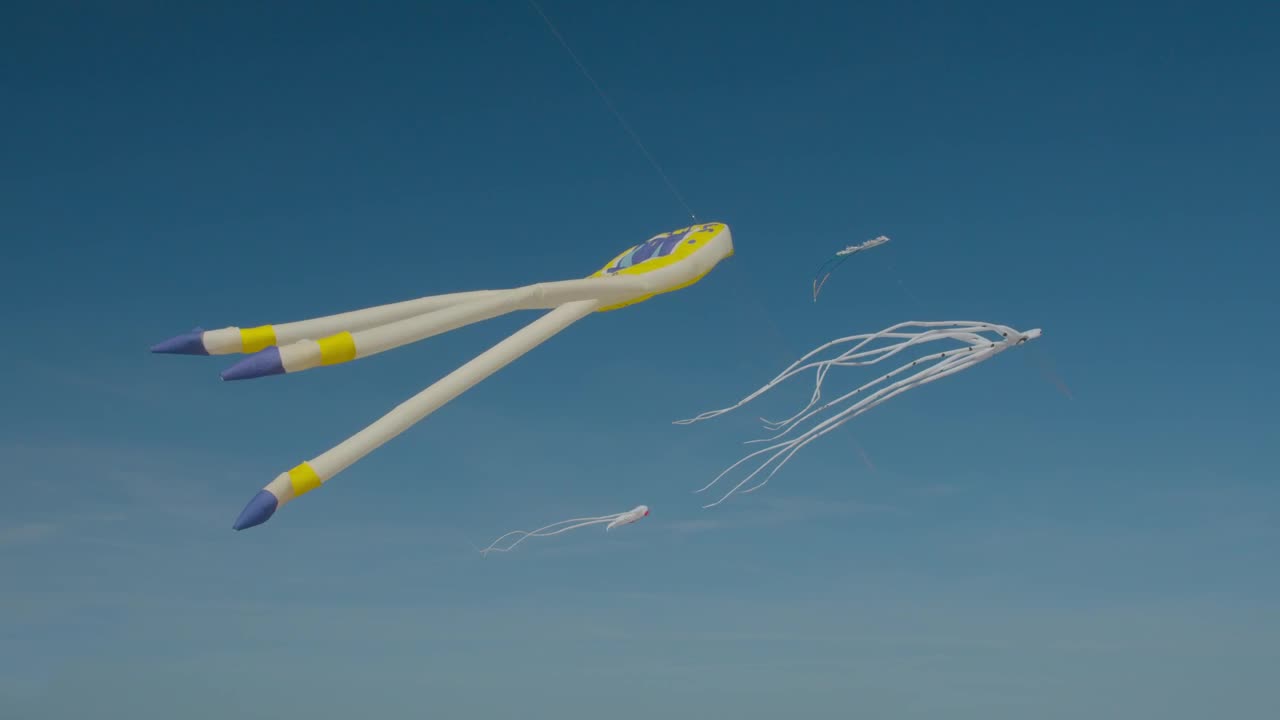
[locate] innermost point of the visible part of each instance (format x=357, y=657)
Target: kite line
x=609, y=103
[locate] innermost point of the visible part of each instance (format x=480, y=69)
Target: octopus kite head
x=635, y=514
x=1028, y=335
x=672, y=260
x=669, y=248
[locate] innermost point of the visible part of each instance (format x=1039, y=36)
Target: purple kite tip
x=259, y=510
x=260, y=364
x=188, y=343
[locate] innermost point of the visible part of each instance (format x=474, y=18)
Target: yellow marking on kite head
x=662, y=251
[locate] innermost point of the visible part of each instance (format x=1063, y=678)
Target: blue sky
x=1103, y=171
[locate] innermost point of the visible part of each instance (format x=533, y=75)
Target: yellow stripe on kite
x=254, y=339
x=336, y=349
x=303, y=479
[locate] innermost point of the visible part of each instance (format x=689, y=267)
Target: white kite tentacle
x=601, y=518
x=945, y=356
x=635, y=514
x=881, y=396
x=537, y=533
x=824, y=366
x=795, y=367
x=886, y=351
x=795, y=448
x=921, y=377
x=890, y=350
x=874, y=400
x=541, y=532
x=731, y=467
x=784, y=447
x=526, y=535
x=889, y=332
x=975, y=348
x=791, y=447
x=825, y=426
x=969, y=338
x=845, y=359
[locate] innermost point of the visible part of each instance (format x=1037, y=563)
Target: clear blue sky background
x=1105, y=171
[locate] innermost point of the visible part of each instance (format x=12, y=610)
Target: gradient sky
x=1105, y=171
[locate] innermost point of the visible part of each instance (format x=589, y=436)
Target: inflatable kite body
x=664, y=263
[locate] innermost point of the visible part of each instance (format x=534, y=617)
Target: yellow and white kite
x=662, y=264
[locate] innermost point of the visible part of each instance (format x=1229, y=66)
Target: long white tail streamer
x=614, y=520
x=976, y=345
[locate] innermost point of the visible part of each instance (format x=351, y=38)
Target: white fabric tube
x=449, y=387
x=370, y=317
x=412, y=329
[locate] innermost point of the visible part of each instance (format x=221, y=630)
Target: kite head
x=630, y=516
x=672, y=260
x=1028, y=335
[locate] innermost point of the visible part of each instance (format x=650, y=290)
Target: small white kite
x=835, y=261
x=974, y=348
x=622, y=518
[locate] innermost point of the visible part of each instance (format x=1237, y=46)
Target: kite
x=664, y=263
x=975, y=347
x=838, y=259
x=623, y=518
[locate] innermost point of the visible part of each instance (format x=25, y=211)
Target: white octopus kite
x=974, y=348
x=622, y=518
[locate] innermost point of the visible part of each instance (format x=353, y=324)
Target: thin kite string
x=608, y=103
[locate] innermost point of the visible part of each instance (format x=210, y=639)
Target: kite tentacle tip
x=259, y=510
x=188, y=343
x=260, y=364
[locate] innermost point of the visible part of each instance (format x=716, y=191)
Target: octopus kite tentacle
x=789, y=448
x=787, y=425
x=975, y=347
x=614, y=520
x=805, y=363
